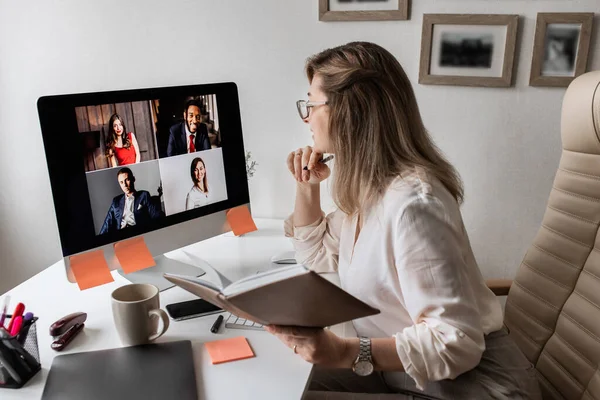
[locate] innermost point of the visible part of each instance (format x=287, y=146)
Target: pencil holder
x=19, y=357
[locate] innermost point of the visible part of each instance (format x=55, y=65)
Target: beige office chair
x=553, y=306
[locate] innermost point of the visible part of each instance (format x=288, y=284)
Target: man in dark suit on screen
x=133, y=207
x=191, y=135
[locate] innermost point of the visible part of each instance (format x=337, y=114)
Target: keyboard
x=235, y=322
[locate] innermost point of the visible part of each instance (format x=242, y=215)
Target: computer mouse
x=287, y=257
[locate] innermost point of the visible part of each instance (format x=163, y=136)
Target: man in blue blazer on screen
x=191, y=135
x=133, y=207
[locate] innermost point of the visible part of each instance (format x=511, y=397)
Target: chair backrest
x=553, y=307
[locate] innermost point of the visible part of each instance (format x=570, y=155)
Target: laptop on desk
x=153, y=371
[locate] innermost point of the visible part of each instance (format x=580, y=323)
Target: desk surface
x=275, y=372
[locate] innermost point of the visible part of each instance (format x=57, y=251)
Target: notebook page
x=198, y=281
x=212, y=274
x=264, y=278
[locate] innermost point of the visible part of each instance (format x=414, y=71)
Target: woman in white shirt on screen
x=398, y=243
x=198, y=195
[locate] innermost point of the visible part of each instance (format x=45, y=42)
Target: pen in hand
x=322, y=161
x=217, y=324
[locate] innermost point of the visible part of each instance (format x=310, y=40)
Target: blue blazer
x=177, y=139
x=143, y=210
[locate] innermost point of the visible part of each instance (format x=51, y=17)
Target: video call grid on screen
x=178, y=150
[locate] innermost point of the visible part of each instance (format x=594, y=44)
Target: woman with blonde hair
x=398, y=243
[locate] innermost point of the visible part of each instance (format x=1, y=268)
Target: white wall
x=505, y=142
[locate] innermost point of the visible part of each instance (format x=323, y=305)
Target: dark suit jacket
x=177, y=139
x=144, y=210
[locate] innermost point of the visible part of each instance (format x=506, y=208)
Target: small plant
x=250, y=165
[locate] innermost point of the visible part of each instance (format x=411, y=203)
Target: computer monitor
x=165, y=163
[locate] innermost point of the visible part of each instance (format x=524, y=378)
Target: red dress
x=125, y=156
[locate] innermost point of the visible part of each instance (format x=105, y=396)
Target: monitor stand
x=154, y=275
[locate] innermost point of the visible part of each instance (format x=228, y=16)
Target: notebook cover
x=226, y=350
x=150, y=371
x=307, y=300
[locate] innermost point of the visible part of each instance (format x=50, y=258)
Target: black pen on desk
x=322, y=161
x=217, y=324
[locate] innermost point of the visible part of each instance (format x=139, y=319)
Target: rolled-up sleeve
x=446, y=339
x=317, y=245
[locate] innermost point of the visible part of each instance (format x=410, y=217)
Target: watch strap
x=364, y=353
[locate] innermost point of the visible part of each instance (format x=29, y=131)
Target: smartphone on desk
x=191, y=309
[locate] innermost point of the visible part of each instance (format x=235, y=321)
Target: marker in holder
x=19, y=356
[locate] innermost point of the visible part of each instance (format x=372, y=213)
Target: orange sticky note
x=90, y=269
x=225, y=350
x=240, y=220
x=133, y=254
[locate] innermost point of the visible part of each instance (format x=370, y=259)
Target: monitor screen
x=124, y=163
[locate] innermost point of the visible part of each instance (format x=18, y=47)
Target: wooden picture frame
x=459, y=64
x=560, y=54
x=399, y=14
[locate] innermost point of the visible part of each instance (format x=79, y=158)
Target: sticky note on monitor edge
x=240, y=220
x=234, y=349
x=133, y=254
x=90, y=269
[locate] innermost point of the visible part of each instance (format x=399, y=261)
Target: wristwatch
x=363, y=365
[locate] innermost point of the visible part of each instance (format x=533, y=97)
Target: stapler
x=66, y=329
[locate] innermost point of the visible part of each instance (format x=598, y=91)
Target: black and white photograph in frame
x=464, y=50
x=560, y=49
x=364, y=10
x=362, y=5
x=468, y=50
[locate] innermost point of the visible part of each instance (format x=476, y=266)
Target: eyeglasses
x=305, y=106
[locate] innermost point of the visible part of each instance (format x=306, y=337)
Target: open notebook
x=291, y=295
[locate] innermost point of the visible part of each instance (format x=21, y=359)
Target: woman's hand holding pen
x=315, y=171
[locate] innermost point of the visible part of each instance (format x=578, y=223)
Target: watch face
x=363, y=368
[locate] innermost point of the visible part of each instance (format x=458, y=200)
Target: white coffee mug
x=136, y=312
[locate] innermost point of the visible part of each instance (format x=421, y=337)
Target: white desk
x=275, y=373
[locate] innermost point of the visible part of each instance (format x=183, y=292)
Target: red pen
x=19, y=309
x=16, y=326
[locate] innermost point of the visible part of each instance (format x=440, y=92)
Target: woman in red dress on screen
x=121, y=148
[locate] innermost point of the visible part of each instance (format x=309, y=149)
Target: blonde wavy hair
x=375, y=127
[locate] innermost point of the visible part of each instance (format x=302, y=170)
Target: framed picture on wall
x=468, y=49
x=560, y=48
x=363, y=10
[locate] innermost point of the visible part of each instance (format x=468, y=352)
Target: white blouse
x=413, y=261
x=196, y=198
